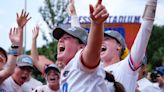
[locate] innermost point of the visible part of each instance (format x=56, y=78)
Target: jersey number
x=65, y=87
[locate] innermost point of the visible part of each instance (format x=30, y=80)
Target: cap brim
x=58, y=33
x=25, y=65
x=48, y=68
x=111, y=36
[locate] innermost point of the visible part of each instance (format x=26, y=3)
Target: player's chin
x=52, y=82
x=60, y=55
x=22, y=82
x=103, y=53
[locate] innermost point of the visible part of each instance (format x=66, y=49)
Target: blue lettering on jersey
x=65, y=87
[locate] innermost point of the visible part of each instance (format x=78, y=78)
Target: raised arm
x=22, y=19
x=34, y=51
x=9, y=67
x=91, y=53
x=39, y=62
x=139, y=46
x=72, y=12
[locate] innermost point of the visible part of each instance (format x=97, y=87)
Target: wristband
x=13, y=52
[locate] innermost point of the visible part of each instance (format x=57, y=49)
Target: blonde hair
x=125, y=53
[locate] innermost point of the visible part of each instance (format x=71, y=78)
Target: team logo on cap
x=27, y=60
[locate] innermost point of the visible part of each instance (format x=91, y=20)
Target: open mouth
x=61, y=49
x=23, y=78
x=103, y=48
x=52, y=79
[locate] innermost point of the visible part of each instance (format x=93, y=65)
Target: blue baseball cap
x=160, y=70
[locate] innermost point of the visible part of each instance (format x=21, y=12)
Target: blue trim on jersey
x=131, y=64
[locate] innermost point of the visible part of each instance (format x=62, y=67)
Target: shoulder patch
x=65, y=73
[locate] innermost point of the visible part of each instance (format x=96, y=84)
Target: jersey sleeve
x=139, y=46
x=79, y=63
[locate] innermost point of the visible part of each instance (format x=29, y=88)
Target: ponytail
x=124, y=54
x=118, y=86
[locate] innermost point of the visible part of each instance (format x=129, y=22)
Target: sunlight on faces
x=109, y=48
x=22, y=74
x=67, y=48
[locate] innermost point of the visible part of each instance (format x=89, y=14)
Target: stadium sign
x=128, y=26
x=111, y=19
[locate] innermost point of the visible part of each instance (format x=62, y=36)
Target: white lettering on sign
x=111, y=19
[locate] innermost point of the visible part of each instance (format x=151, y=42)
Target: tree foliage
x=54, y=12
x=155, y=48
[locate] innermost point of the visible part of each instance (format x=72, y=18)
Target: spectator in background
x=39, y=61
x=143, y=84
x=23, y=71
x=52, y=76
x=42, y=63
x=16, y=37
x=8, y=63
x=31, y=84
x=157, y=77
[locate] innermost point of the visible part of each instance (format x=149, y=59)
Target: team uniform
x=9, y=85
x=44, y=88
x=30, y=85
x=125, y=71
x=144, y=85
x=75, y=77
x=157, y=86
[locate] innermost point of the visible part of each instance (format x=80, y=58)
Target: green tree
x=155, y=48
x=54, y=12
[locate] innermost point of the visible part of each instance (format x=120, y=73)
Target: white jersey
x=125, y=71
x=44, y=88
x=157, y=86
x=9, y=85
x=31, y=85
x=124, y=75
x=144, y=85
x=75, y=77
